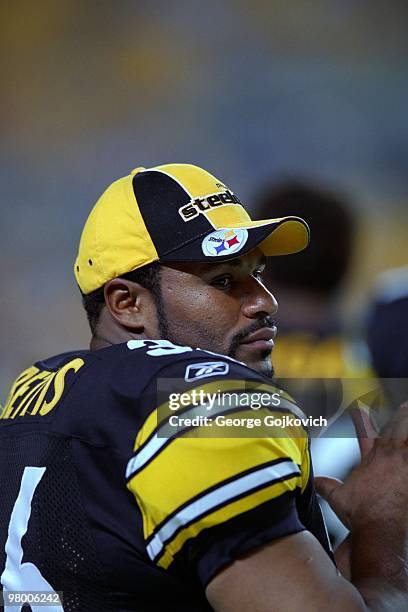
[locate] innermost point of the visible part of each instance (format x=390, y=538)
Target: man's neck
x=98, y=342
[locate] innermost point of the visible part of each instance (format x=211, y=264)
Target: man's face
x=222, y=307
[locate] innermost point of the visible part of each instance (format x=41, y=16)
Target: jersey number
x=157, y=348
x=19, y=576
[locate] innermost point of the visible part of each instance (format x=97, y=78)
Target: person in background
x=387, y=332
x=313, y=342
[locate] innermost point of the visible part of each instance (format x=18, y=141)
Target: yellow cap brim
x=287, y=235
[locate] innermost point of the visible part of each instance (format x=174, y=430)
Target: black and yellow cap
x=174, y=212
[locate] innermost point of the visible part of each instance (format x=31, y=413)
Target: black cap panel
x=159, y=198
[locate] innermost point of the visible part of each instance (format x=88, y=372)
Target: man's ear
x=129, y=303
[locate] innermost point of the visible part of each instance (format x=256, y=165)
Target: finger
x=330, y=490
x=326, y=485
x=365, y=430
x=397, y=427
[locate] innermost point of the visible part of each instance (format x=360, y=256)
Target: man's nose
x=258, y=300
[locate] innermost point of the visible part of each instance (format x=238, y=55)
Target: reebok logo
x=195, y=371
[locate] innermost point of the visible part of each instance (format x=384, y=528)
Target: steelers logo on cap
x=224, y=242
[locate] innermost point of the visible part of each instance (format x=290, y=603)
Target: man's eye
x=223, y=282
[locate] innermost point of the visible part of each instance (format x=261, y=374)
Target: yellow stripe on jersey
x=199, y=468
x=224, y=514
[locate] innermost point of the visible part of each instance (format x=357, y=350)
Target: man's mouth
x=261, y=340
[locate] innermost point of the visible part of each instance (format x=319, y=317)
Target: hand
x=366, y=434
x=373, y=504
x=377, y=489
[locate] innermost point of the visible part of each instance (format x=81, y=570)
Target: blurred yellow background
x=252, y=91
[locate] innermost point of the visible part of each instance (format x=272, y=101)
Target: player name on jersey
x=37, y=392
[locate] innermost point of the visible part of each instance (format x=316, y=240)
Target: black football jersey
x=102, y=502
